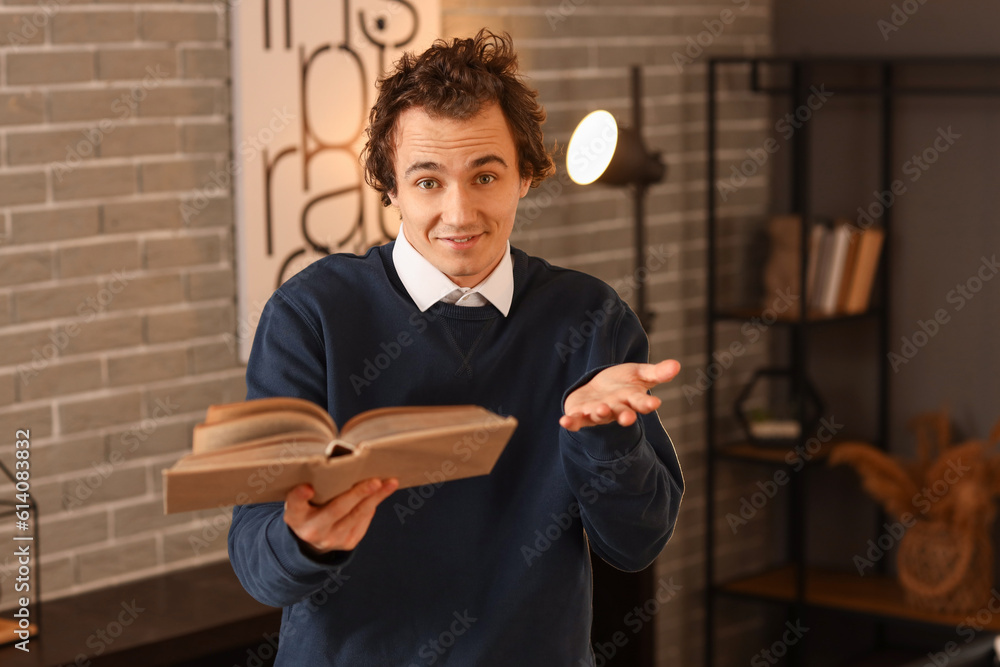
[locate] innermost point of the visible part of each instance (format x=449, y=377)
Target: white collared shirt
x=427, y=285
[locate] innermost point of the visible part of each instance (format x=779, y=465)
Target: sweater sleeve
x=287, y=359
x=627, y=480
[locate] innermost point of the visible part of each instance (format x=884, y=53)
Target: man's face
x=457, y=189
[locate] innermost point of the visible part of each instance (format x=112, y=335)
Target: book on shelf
x=859, y=291
x=841, y=264
x=847, y=261
x=838, y=240
x=850, y=264
x=817, y=235
x=258, y=450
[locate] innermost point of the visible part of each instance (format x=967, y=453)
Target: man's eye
x=485, y=178
x=426, y=184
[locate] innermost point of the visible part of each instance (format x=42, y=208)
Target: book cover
x=257, y=451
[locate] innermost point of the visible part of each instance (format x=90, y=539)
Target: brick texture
x=98, y=258
x=92, y=182
x=136, y=63
x=21, y=108
x=38, y=68
x=20, y=30
x=95, y=279
x=22, y=188
x=76, y=27
x=55, y=224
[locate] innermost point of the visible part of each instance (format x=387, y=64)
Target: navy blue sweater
x=491, y=570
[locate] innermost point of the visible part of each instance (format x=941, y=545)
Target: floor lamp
x=601, y=151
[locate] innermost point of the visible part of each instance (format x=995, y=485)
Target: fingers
x=663, y=371
x=297, y=507
x=624, y=411
x=343, y=521
x=355, y=523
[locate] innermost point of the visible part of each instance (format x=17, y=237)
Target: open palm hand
x=617, y=394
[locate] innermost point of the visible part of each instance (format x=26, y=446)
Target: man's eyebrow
x=491, y=158
x=421, y=166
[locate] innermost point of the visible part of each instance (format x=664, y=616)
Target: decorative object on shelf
x=777, y=419
x=946, y=498
x=602, y=151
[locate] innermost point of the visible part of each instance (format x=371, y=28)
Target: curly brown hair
x=456, y=81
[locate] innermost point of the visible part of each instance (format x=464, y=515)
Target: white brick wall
x=114, y=310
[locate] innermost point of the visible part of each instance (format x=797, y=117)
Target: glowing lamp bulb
x=591, y=147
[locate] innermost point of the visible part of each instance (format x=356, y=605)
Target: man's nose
x=459, y=206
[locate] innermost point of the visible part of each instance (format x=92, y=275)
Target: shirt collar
x=426, y=284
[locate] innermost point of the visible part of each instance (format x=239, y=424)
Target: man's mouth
x=461, y=241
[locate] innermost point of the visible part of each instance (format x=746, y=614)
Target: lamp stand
x=639, y=190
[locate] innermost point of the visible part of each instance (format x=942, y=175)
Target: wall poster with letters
x=304, y=75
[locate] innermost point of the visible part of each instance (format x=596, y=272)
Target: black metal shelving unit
x=796, y=585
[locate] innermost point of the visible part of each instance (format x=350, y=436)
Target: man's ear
x=392, y=197
x=525, y=186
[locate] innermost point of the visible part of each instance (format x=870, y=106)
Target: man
x=490, y=570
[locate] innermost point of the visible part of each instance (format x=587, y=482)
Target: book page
x=385, y=422
x=229, y=411
x=298, y=444
x=231, y=432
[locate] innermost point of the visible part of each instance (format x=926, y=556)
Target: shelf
x=900, y=657
x=872, y=595
x=747, y=451
x=185, y=615
x=812, y=317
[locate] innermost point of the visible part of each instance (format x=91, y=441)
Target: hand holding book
x=258, y=451
x=339, y=524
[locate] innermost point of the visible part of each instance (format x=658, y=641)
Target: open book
x=257, y=451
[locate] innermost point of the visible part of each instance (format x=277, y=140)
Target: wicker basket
x=945, y=570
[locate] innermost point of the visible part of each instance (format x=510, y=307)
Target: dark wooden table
x=169, y=620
